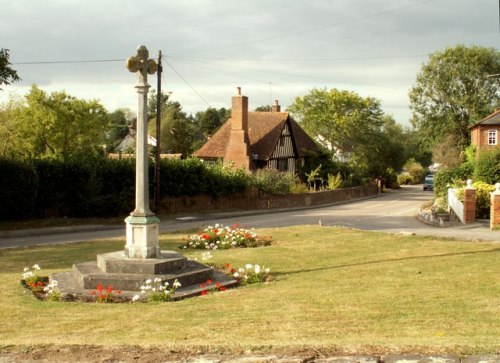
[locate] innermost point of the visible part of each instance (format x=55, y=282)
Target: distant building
x=258, y=140
x=484, y=134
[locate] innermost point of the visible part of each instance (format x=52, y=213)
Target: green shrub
x=404, y=179
x=334, y=181
x=298, y=188
x=415, y=170
x=272, y=182
x=487, y=166
x=455, y=177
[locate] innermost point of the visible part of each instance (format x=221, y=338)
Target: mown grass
x=334, y=288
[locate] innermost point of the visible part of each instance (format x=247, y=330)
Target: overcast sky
x=273, y=49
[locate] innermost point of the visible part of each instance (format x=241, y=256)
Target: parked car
x=429, y=182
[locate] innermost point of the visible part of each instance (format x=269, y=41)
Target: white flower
x=157, y=279
x=148, y=281
x=166, y=283
x=154, y=289
x=236, y=275
x=135, y=298
x=241, y=270
x=257, y=269
x=36, y=266
x=26, y=269
x=267, y=270
x=176, y=284
x=248, y=266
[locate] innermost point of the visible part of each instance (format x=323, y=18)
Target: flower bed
x=225, y=237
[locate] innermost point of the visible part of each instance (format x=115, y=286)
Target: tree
x=263, y=108
x=118, y=127
x=208, y=121
x=338, y=120
x=453, y=90
x=7, y=74
x=56, y=125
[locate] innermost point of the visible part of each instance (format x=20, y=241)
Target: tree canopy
x=55, y=125
x=453, y=90
x=7, y=74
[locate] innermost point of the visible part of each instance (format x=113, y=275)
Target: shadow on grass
x=384, y=261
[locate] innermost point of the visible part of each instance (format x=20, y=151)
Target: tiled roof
x=493, y=119
x=264, y=129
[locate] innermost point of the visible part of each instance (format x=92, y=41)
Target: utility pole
x=158, y=136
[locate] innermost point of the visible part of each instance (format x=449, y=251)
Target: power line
x=185, y=81
x=70, y=61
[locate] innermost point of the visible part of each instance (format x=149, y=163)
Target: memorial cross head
x=140, y=63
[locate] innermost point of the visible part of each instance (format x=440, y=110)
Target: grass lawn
x=334, y=289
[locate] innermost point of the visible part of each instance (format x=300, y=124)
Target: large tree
x=337, y=119
x=453, y=90
x=55, y=125
x=7, y=74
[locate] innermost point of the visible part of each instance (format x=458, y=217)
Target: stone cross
x=142, y=225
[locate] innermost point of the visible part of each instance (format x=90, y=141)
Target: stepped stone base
x=129, y=274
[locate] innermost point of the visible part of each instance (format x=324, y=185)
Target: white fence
x=455, y=204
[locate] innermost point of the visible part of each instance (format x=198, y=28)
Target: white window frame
x=492, y=137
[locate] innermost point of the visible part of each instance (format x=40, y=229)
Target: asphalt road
x=392, y=212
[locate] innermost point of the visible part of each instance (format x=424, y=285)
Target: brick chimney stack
x=238, y=147
x=276, y=107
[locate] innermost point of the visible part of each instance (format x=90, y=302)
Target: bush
x=404, y=179
x=487, y=166
x=272, y=182
x=483, y=199
x=415, y=170
x=455, y=177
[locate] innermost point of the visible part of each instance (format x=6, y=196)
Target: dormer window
x=492, y=137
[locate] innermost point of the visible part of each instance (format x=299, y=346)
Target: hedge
x=102, y=187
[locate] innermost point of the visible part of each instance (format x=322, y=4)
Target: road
x=392, y=212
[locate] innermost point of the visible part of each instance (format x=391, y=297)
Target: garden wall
x=253, y=201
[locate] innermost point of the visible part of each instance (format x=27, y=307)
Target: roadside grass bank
x=333, y=288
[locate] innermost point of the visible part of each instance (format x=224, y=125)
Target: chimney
x=276, y=107
x=238, y=146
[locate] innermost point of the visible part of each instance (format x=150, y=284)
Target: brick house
x=258, y=140
x=485, y=133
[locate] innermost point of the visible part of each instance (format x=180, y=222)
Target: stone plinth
x=142, y=237
x=129, y=274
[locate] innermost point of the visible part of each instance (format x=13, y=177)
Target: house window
x=492, y=137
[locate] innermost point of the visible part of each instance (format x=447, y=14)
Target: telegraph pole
x=158, y=134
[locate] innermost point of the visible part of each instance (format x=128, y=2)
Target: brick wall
x=495, y=208
x=253, y=201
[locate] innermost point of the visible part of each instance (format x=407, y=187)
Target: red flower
x=209, y=282
x=109, y=289
x=204, y=292
x=215, y=230
x=118, y=291
x=233, y=270
x=205, y=236
x=102, y=296
x=100, y=287
x=218, y=284
x=39, y=283
x=93, y=292
x=202, y=286
x=222, y=288
x=228, y=265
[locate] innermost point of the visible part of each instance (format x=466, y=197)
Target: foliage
x=454, y=177
x=263, y=108
x=7, y=74
x=448, y=152
x=210, y=120
x=483, y=198
x=52, y=291
x=298, y=188
x=415, y=170
x=453, y=91
x=54, y=126
x=324, y=158
x=32, y=279
x=157, y=290
x=118, y=128
x=404, y=178
x=272, y=181
x=487, y=166
x=18, y=184
x=220, y=237
x=334, y=181
x=313, y=178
